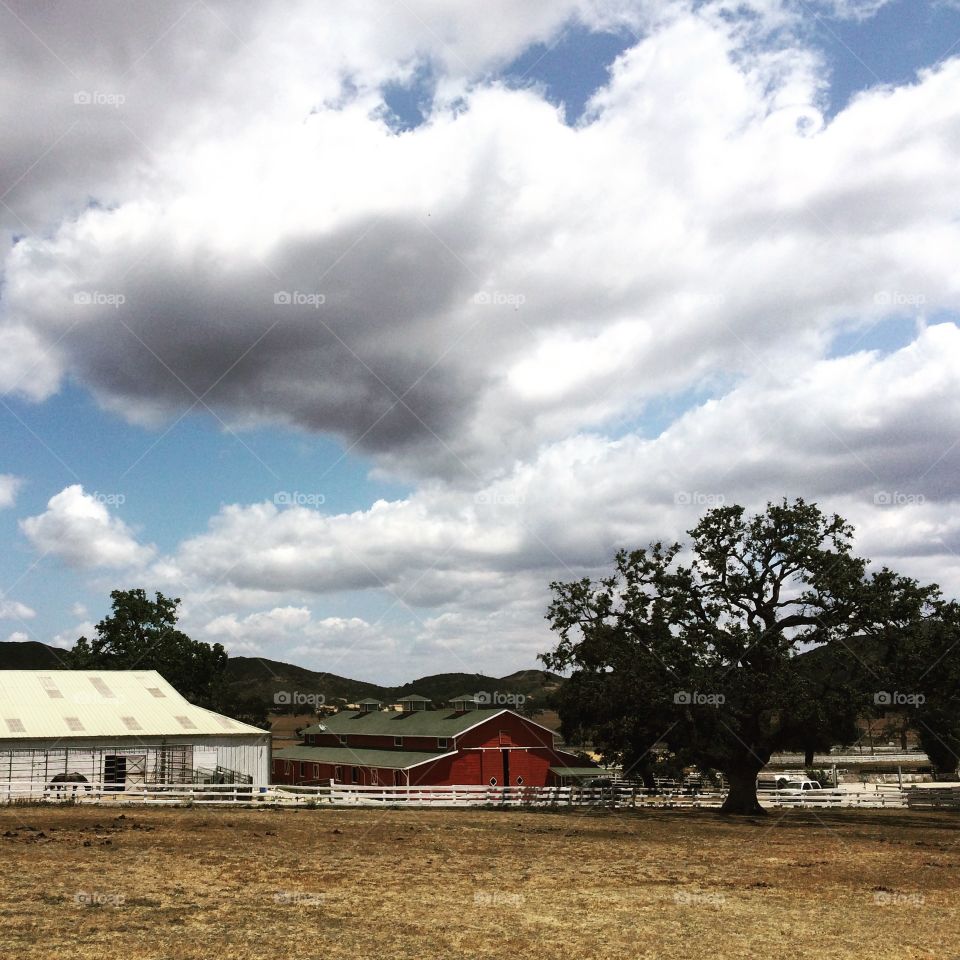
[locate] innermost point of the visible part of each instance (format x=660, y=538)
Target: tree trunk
x=742, y=798
x=808, y=758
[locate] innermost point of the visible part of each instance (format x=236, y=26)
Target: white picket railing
x=619, y=795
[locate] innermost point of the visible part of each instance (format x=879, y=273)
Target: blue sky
x=299, y=434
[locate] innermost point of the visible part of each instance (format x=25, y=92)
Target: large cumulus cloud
x=468, y=572
x=493, y=305
x=464, y=287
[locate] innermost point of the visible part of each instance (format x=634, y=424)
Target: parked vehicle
x=800, y=786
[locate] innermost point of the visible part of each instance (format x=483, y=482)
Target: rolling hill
x=257, y=678
x=30, y=655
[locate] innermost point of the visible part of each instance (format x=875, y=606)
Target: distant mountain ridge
x=30, y=655
x=258, y=678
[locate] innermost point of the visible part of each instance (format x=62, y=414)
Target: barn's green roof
x=350, y=757
x=418, y=723
x=576, y=771
x=413, y=698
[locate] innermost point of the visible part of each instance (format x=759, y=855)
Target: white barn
x=119, y=728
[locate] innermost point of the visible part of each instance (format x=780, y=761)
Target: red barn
x=464, y=744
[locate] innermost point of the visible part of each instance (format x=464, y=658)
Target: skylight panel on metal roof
x=101, y=687
x=156, y=692
x=225, y=722
x=53, y=691
x=186, y=723
x=73, y=723
x=15, y=725
x=131, y=723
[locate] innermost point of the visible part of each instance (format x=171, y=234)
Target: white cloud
x=657, y=271
x=9, y=487
x=67, y=638
x=14, y=610
x=18, y=636
x=78, y=528
x=504, y=296
x=337, y=644
x=871, y=436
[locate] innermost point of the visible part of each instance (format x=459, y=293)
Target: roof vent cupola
x=464, y=702
x=412, y=703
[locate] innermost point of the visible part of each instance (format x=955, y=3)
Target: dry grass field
x=240, y=884
x=284, y=728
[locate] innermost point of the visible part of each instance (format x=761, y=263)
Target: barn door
x=114, y=771
x=136, y=768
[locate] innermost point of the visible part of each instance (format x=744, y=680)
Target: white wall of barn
x=150, y=759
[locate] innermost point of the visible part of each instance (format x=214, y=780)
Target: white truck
x=800, y=786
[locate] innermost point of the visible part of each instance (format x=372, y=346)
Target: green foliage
x=921, y=668
x=703, y=657
x=142, y=634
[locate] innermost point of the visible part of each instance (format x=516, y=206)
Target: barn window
x=186, y=723
x=303, y=769
x=493, y=781
x=15, y=726
x=398, y=741
x=338, y=773
x=131, y=723
x=73, y=723
x=288, y=767
x=343, y=740
x=354, y=775
x=519, y=781
x=156, y=692
x=374, y=778
x=441, y=743
x=100, y=686
x=316, y=771
x=52, y=692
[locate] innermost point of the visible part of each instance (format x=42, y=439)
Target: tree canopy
x=142, y=634
x=699, y=651
x=921, y=670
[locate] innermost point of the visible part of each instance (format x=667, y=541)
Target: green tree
x=142, y=634
x=922, y=677
x=705, y=660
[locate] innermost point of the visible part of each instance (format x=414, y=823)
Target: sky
x=354, y=326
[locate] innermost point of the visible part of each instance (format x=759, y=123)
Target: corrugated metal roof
x=44, y=704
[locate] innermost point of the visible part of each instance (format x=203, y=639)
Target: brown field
x=240, y=884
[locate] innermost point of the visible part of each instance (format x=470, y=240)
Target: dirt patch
x=82, y=882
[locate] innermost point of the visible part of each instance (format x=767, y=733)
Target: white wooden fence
x=619, y=795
